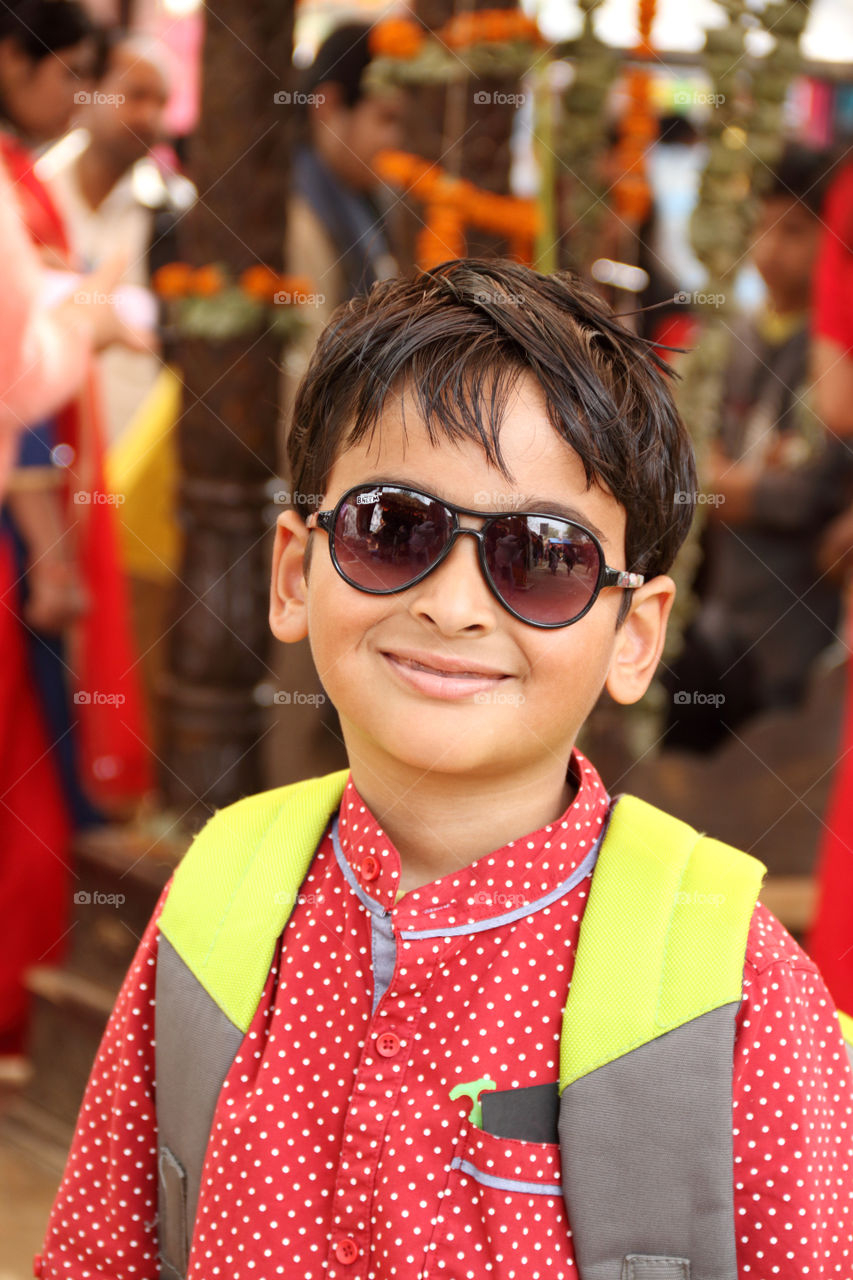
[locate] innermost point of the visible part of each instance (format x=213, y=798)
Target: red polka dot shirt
x=336, y=1148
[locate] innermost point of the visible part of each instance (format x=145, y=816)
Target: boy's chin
x=483, y=752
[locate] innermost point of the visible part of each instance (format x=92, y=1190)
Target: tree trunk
x=219, y=637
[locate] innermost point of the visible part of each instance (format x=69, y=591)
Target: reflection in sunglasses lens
x=545, y=569
x=385, y=538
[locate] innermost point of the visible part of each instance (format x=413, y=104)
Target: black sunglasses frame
x=607, y=576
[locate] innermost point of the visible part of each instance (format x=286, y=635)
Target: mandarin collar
x=523, y=874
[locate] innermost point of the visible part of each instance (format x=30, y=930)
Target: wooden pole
x=218, y=641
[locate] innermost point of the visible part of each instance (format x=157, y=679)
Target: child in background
x=775, y=482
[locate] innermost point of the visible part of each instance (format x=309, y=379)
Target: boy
x=778, y=480
x=389, y=1105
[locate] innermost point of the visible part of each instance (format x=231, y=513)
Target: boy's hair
x=457, y=339
x=800, y=174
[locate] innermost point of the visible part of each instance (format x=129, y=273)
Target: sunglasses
x=547, y=571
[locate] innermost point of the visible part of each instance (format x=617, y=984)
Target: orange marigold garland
x=442, y=236
x=632, y=195
x=497, y=42
x=452, y=204
x=396, y=38
x=489, y=26
x=205, y=302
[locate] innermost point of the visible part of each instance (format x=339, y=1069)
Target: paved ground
x=27, y=1188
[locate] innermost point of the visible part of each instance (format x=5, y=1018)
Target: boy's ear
x=639, y=640
x=288, y=588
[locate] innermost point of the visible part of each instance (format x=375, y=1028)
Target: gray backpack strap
x=195, y=1047
x=229, y=902
x=647, y=1158
x=646, y=1052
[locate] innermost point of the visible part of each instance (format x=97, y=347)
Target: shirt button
x=37, y=1266
x=388, y=1045
x=370, y=867
x=346, y=1250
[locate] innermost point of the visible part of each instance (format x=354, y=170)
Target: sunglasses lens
x=386, y=537
x=546, y=570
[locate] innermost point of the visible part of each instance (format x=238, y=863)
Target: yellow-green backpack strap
x=847, y=1032
x=235, y=889
x=646, y=1051
x=229, y=901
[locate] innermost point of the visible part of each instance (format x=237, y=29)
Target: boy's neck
x=440, y=823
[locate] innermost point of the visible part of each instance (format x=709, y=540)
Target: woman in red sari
x=831, y=940
x=72, y=744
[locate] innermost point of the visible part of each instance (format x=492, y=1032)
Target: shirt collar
x=518, y=875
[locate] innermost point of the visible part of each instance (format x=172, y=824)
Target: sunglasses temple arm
x=622, y=578
x=319, y=520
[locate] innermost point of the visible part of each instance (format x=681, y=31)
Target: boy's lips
x=442, y=676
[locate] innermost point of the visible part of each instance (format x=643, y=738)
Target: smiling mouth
x=443, y=671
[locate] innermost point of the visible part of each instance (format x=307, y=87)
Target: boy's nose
x=455, y=596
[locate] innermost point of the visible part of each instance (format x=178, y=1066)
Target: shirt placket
x=381, y=1072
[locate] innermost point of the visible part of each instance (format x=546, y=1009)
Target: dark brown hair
x=457, y=338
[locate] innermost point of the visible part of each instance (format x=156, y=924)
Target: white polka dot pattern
x=336, y=1150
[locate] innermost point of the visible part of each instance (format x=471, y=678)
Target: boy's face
x=784, y=249
x=542, y=683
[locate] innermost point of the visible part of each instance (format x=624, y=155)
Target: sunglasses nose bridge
x=455, y=533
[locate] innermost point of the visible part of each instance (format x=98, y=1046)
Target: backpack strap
x=228, y=903
x=646, y=1052
x=847, y=1033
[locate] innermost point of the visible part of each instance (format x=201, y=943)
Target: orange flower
x=207, y=281
x=260, y=282
x=442, y=238
x=407, y=171
x=396, y=38
x=172, y=280
x=489, y=26
x=452, y=204
x=645, y=18
x=521, y=249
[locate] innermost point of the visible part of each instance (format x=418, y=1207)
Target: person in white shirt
x=113, y=194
